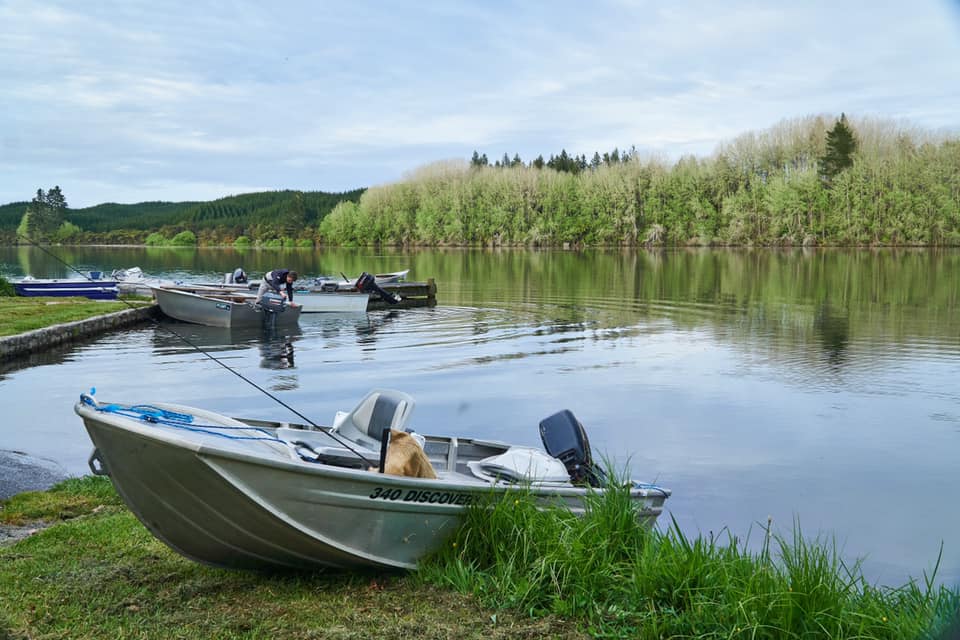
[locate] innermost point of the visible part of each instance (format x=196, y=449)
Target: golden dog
x=406, y=458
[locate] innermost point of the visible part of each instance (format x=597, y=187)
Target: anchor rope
x=167, y=418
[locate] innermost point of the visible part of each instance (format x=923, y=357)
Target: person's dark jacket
x=278, y=279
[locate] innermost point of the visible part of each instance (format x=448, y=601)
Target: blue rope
x=167, y=418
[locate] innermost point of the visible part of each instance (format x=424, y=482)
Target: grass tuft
x=619, y=579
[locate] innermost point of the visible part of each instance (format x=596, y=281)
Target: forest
x=259, y=217
x=816, y=180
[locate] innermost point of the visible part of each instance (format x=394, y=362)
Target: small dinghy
x=343, y=283
x=92, y=287
x=228, y=309
x=251, y=494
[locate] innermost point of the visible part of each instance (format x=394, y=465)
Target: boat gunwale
x=321, y=469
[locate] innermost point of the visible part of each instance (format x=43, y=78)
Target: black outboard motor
x=272, y=304
x=564, y=438
x=368, y=284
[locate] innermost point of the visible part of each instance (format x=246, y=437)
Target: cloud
x=295, y=96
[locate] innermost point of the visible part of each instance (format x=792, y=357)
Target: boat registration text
x=416, y=495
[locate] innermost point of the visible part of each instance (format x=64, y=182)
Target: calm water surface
x=811, y=386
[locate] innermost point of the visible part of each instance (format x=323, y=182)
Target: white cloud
x=134, y=97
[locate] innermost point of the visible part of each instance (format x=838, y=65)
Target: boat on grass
x=252, y=494
x=219, y=308
x=92, y=287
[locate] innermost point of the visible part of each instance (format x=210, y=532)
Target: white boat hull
x=332, y=301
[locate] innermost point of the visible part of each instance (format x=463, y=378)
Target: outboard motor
x=564, y=438
x=368, y=284
x=272, y=304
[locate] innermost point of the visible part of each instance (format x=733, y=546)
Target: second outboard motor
x=564, y=438
x=271, y=304
x=368, y=284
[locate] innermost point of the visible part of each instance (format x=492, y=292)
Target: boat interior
x=358, y=440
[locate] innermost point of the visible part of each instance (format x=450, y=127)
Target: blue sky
x=135, y=101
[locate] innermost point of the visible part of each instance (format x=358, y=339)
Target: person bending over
x=279, y=281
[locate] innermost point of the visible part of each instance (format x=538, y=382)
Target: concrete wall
x=33, y=341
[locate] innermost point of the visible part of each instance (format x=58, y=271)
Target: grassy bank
x=511, y=572
x=19, y=315
x=98, y=573
x=620, y=580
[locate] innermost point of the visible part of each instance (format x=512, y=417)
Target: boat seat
x=380, y=410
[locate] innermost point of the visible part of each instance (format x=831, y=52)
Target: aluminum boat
x=251, y=494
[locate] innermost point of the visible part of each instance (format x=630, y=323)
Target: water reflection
x=367, y=330
x=833, y=325
x=173, y=338
x=53, y=355
x=277, y=353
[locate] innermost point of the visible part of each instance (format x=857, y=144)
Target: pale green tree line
x=901, y=186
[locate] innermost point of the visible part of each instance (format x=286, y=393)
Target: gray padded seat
x=381, y=409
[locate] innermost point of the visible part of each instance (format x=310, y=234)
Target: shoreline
x=21, y=344
x=22, y=473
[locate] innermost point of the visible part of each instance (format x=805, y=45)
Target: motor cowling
x=367, y=283
x=273, y=303
x=565, y=439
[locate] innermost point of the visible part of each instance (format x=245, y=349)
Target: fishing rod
x=159, y=325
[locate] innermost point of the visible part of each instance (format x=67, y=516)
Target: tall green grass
x=622, y=580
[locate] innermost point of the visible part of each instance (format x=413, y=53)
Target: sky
x=139, y=101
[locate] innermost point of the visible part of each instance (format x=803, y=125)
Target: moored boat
x=331, y=301
x=92, y=287
x=254, y=494
x=133, y=281
x=347, y=284
x=218, y=308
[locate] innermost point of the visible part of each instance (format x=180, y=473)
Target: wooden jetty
x=413, y=294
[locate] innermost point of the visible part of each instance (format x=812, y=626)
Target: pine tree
x=293, y=216
x=841, y=145
x=45, y=213
x=56, y=208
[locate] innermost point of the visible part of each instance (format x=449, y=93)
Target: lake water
x=811, y=386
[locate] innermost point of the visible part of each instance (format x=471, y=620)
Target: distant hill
x=10, y=214
x=240, y=211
